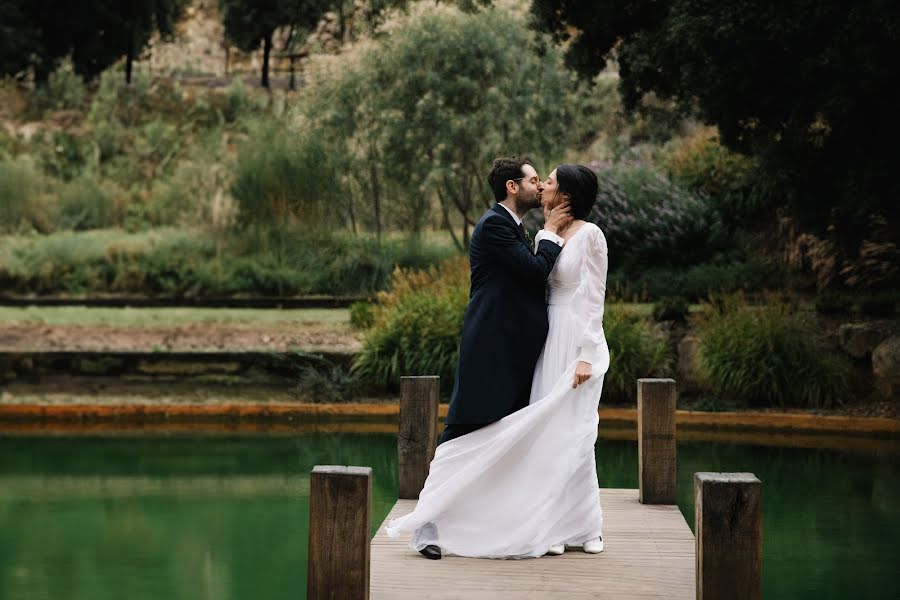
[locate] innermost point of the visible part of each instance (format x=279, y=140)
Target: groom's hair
x=504, y=169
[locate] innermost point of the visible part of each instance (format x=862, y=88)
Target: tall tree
x=96, y=33
x=416, y=116
x=809, y=86
x=249, y=23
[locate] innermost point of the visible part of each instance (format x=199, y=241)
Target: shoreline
x=388, y=412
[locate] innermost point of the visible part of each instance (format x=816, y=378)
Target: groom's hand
x=559, y=218
x=582, y=373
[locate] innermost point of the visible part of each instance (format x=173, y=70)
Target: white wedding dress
x=520, y=485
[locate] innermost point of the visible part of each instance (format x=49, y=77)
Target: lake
x=225, y=516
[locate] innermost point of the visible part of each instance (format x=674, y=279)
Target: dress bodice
x=566, y=276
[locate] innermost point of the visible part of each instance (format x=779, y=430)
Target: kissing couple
x=514, y=473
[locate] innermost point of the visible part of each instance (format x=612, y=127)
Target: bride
x=526, y=485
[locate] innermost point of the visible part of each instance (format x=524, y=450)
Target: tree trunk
x=352, y=211
x=376, y=198
x=267, y=50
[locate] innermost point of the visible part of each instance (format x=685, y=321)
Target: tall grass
x=417, y=326
x=769, y=355
x=634, y=352
x=20, y=188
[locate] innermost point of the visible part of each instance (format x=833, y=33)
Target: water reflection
x=225, y=516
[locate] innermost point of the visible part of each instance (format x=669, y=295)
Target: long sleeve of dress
x=594, y=270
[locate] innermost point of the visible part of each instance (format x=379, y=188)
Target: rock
x=688, y=365
x=859, y=339
x=886, y=367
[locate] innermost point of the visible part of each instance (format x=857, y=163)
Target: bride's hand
x=582, y=373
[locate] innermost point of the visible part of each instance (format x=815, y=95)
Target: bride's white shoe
x=556, y=550
x=594, y=546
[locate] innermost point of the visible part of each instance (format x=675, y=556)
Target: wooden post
x=417, y=436
x=656, y=440
x=340, y=500
x=728, y=527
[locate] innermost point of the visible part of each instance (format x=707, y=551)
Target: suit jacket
x=505, y=323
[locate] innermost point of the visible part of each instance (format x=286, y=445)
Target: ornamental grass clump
x=769, y=355
x=634, y=352
x=417, y=326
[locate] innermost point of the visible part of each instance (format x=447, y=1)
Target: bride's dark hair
x=580, y=183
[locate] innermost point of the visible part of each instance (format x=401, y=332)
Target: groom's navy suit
x=505, y=323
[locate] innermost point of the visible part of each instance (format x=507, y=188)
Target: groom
x=506, y=320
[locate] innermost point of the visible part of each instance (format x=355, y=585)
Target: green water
x=225, y=517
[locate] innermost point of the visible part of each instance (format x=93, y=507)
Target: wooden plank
x=417, y=435
x=649, y=553
x=340, y=500
x=728, y=513
x=656, y=440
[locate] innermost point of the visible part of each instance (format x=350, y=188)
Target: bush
x=362, y=315
x=175, y=262
x=20, y=189
x=702, y=165
x=694, y=283
x=417, y=326
x=634, y=352
x=769, y=355
x=650, y=222
x=671, y=308
x=64, y=89
x=84, y=204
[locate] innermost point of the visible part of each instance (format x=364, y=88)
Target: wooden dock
x=650, y=552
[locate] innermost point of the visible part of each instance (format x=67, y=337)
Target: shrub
x=650, y=222
x=417, y=326
x=362, y=315
x=671, y=308
x=84, y=204
x=634, y=352
x=702, y=165
x=769, y=355
x=64, y=89
x=20, y=189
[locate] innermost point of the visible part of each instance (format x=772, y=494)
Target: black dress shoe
x=431, y=552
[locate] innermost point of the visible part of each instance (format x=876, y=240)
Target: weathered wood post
x=728, y=527
x=417, y=436
x=340, y=500
x=656, y=440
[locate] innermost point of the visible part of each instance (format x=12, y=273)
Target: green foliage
x=804, y=87
x=64, y=89
x=671, y=308
x=634, y=352
x=184, y=262
x=417, y=326
x=362, y=315
x=83, y=204
x=693, y=283
x=421, y=114
x=769, y=355
x=650, y=222
x=702, y=165
x=20, y=188
x=278, y=177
